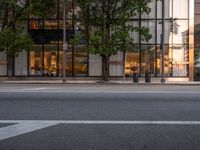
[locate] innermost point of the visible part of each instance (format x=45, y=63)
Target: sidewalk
x=100, y=82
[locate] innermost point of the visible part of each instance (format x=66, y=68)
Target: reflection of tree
x=174, y=26
x=197, y=51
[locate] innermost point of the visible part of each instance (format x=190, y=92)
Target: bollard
x=147, y=76
x=135, y=78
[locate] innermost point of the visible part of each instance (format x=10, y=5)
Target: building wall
x=46, y=57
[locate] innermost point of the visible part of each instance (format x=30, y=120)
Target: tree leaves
x=14, y=42
x=13, y=38
x=109, y=30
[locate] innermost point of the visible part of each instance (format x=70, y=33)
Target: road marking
x=100, y=122
x=103, y=91
x=26, y=126
x=23, y=128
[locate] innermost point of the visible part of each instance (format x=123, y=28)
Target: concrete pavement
x=128, y=81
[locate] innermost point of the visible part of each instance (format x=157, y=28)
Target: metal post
x=64, y=42
x=163, y=41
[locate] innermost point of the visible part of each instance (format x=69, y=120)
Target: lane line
x=111, y=122
x=23, y=128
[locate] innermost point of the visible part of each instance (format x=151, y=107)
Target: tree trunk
x=105, y=68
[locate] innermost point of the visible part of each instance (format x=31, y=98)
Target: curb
x=95, y=82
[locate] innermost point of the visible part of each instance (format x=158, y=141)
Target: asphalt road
x=100, y=103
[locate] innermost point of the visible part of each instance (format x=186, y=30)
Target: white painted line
x=103, y=91
x=23, y=128
x=111, y=122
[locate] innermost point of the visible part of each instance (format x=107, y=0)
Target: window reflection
x=50, y=60
x=147, y=56
x=35, y=58
x=3, y=64
x=132, y=61
x=69, y=9
x=69, y=68
x=176, y=61
x=148, y=59
x=35, y=24
x=80, y=61
x=51, y=24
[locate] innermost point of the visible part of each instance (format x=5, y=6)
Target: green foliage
x=13, y=37
x=109, y=24
x=14, y=42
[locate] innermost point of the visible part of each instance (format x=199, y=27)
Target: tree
x=109, y=30
x=13, y=13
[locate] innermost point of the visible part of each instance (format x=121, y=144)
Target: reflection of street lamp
x=64, y=42
x=163, y=41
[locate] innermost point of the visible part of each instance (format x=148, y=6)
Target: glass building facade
x=181, y=45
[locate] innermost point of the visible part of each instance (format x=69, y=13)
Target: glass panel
x=132, y=61
x=69, y=9
x=35, y=58
x=180, y=61
x=52, y=14
x=116, y=64
x=80, y=61
x=151, y=25
x=180, y=32
x=35, y=24
x=180, y=8
x=148, y=59
x=168, y=32
x=134, y=35
x=51, y=24
x=95, y=65
x=68, y=61
x=197, y=40
x=168, y=9
x=152, y=14
x=77, y=11
x=168, y=61
x=21, y=66
x=3, y=64
x=50, y=60
x=176, y=61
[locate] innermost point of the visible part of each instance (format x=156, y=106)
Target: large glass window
x=176, y=61
x=148, y=59
x=182, y=12
x=95, y=65
x=197, y=39
x=47, y=57
x=168, y=9
x=69, y=9
x=36, y=61
x=3, y=64
x=134, y=35
x=50, y=60
x=151, y=25
x=80, y=61
x=132, y=60
x=180, y=31
x=21, y=64
x=152, y=14
x=116, y=64
x=69, y=68
x=167, y=63
x=180, y=60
